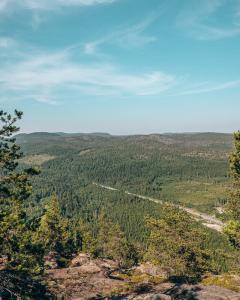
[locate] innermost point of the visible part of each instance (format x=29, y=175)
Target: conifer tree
x=15, y=188
x=232, y=229
x=52, y=229
x=176, y=241
x=57, y=234
x=111, y=242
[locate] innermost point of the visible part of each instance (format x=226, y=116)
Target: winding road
x=207, y=220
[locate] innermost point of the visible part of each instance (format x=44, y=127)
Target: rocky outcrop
x=150, y=269
x=83, y=259
x=79, y=260
x=201, y=292
x=87, y=281
x=150, y=297
x=87, y=278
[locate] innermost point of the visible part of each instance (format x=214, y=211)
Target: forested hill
x=190, y=169
x=205, y=144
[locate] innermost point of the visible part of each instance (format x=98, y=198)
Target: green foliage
x=232, y=229
x=15, y=188
x=58, y=234
x=227, y=281
x=190, y=169
x=52, y=227
x=107, y=240
x=72, y=220
x=177, y=241
x=23, y=254
x=12, y=184
x=19, y=285
x=23, y=257
x=233, y=205
x=235, y=158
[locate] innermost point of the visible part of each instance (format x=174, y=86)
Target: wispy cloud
x=208, y=87
x=199, y=19
x=52, y=78
x=42, y=76
x=6, y=42
x=38, y=5
x=129, y=36
x=204, y=32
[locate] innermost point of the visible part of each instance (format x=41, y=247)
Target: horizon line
x=129, y=134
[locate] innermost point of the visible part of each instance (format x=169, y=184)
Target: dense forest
x=50, y=204
x=190, y=169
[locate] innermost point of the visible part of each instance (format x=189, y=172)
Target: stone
x=152, y=297
x=79, y=260
x=150, y=269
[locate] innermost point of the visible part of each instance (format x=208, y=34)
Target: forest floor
x=207, y=220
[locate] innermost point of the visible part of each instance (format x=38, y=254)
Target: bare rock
x=84, y=282
x=151, y=297
x=89, y=268
x=201, y=292
x=150, y=269
x=80, y=260
x=107, y=263
x=92, y=279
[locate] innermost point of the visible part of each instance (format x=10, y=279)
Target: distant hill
x=186, y=169
x=189, y=138
x=174, y=167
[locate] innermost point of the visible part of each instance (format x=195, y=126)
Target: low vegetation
x=228, y=281
x=36, y=160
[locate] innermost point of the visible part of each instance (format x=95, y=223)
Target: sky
x=121, y=66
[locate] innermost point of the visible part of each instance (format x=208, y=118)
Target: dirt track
x=207, y=220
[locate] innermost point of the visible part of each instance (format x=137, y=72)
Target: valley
x=158, y=166
x=107, y=209
x=207, y=220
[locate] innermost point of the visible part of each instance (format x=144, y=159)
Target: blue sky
x=121, y=66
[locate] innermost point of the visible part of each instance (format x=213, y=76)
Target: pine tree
x=176, y=241
x=111, y=242
x=15, y=188
x=232, y=229
x=52, y=229
x=58, y=235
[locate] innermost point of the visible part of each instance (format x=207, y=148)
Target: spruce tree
x=176, y=241
x=59, y=236
x=15, y=188
x=52, y=227
x=232, y=229
x=111, y=242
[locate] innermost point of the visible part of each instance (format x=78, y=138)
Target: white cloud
x=131, y=36
x=42, y=77
x=204, y=32
x=38, y=5
x=208, y=87
x=201, y=21
x=55, y=78
x=6, y=42
x=43, y=99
